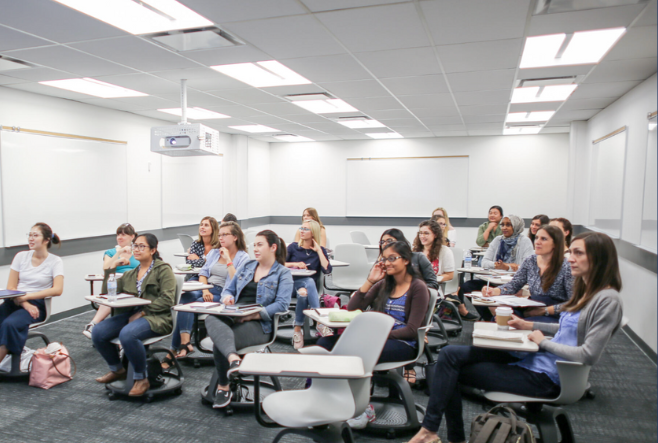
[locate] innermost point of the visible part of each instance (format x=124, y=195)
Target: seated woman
x=208, y=240
x=265, y=281
x=587, y=322
x=547, y=274
x=419, y=261
x=219, y=270
x=506, y=252
x=312, y=214
x=229, y=218
x=37, y=273
x=537, y=222
x=152, y=280
x=490, y=229
x=567, y=229
x=119, y=258
x=449, y=233
x=307, y=254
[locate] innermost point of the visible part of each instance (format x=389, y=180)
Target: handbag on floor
x=51, y=366
x=500, y=425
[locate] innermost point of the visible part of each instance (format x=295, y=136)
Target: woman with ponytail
x=265, y=281
x=37, y=273
x=152, y=280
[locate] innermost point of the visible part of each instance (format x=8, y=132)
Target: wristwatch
x=546, y=314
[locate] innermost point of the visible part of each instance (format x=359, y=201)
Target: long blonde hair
x=313, y=213
x=315, y=230
x=445, y=215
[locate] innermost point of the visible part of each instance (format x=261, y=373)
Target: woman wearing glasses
x=152, y=280
x=37, y=273
x=429, y=241
x=312, y=214
x=307, y=254
x=208, y=240
x=419, y=261
x=119, y=259
x=221, y=265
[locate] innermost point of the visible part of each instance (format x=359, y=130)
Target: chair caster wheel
x=111, y=396
x=205, y=402
x=390, y=434
x=148, y=399
x=178, y=391
x=228, y=411
x=197, y=364
x=590, y=394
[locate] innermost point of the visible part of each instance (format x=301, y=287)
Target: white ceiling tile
x=401, y=62
x=287, y=37
x=38, y=74
x=587, y=103
x=421, y=84
x=483, y=109
x=416, y=134
x=624, y=70
x=224, y=11
x=481, y=80
x=151, y=102
x=442, y=111
x=529, y=107
x=578, y=114
x=247, y=96
x=304, y=118
x=4, y=80
x=237, y=111
x=463, y=21
x=483, y=132
x=450, y=133
x=115, y=104
x=610, y=89
x=49, y=90
x=442, y=127
x=270, y=120
x=203, y=79
x=390, y=114
x=10, y=39
x=328, y=68
x=377, y=28
x=427, y=100
x=484, y=118
x=145, y=83
x=358, y=88
x=227, y=55
x=636, y=43
x=197, y=98
x=555, y=130
x=484, y=126
x=280, y=108
x=70, y=60
x=649, y=16
x=54, y=21
x=324, y=5
x=497, y=54
x=443, y=122
x=501, y=96
x=294, y=89
x=597, y=18
x=167, y=118
x=136, y=53
x=374, y=103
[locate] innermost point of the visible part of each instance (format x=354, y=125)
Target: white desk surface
x=475, y=270
x=526, y=346
x=216, y=311
x=194, y=286
x=338, y=264
x=495, y=304
x=477, y=248
x=493, y=279
x=303, y=365
x=301, y=272
x=191, y=271
x=371, y=246
x=479, y=254
x=121, y=303
x=99, y=277
x=310, y=313
x=181, y=254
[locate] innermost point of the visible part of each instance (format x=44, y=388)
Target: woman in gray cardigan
x=587, y=321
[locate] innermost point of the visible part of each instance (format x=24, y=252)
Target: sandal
x=410, y=376
x=167, y=361
x=187, y=347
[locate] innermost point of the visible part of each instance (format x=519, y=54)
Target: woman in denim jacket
x=265, y=281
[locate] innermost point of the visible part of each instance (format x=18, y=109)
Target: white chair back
x=186, y=241
x=352, y=276
x=453, y=285
x=359, y=237
x=249, y=236
x=48, y=302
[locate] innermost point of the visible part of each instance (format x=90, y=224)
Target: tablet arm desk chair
x=345, y=280
x=172, y=380
x=321, y=411
x=15, y=371
x=360, y=238
x=186, y=241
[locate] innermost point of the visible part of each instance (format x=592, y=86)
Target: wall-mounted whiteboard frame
x=406, y=186
x=649, y=225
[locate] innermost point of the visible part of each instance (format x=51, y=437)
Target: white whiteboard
x=649, y=237
x=407, y=187
x=607, y=186
x=191, y=189
x=78, y=187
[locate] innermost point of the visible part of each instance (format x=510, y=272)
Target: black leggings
x=394, y=350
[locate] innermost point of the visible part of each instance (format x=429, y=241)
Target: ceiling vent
x=209, y=37
x=308, y=97
x=549, y=81
x=557, y=6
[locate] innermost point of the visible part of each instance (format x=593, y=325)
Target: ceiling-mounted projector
x=185, y=140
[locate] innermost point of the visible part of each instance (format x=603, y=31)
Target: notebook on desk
x=119, y=296
x=8, y=293
x=514, y=337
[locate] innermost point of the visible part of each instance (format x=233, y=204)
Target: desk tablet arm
x=315, y=350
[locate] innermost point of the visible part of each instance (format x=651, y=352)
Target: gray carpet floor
x=624, y=409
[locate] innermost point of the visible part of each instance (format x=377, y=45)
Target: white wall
x=257, y=180
x=526, y=175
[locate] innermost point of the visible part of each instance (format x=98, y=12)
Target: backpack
x=500, y=425
x=154, y=372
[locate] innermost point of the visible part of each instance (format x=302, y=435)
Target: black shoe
x=469, y=317
x=222, y=399
x=235, y=365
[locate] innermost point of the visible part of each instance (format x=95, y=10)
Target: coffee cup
x=503, y=315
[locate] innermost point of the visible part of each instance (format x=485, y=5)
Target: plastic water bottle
x=468, y=259
x=112, y=288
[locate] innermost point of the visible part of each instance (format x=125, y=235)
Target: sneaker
x=362, y=420
x=87, y=330
x=235, y=365
x=222, y=399
x=298, y=340
x=324, y=331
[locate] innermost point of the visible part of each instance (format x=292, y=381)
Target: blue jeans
x=312, y=298
x=14, y=325
x=185, y=320
x=130, y=335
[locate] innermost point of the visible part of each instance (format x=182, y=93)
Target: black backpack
x=155, y=374
x=500, y=425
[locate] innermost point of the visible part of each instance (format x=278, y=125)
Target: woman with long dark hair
x=567, y=229
x=587, y=321
x=429, y=241
x=537, y=222
x=419, y=261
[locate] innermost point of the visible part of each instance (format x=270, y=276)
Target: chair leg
x=549, y=420
x=332, y=433
x=399, y=387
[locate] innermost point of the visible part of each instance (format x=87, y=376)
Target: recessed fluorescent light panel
x=93, y=87
x=584, y=47
x=359, y=123
x=536, y=116
x=140, y=17
x=195, y=113
x=522, y=130
x=537, y=94
x=254, y=129
x=262, y=74
x=292, y=138
x=383, y=135
x=330, y=106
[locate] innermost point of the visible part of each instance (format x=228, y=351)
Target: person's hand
x=500, y=265
x=123, y=262
x=207, y=295
x=513, y=267
x=249, y=317
x=534, y=312
x=224, y=254
x=493, y=225
x=517, y=323
x=18, y=301
x=31, y=309
x=301, y=265
x=316, y=247
x=490, y=292
x=228, y=300
x=377, y=272
x=192, y=257
x=136, y=316
x=536, y=336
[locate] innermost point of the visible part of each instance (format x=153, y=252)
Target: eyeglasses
x=140, y=247
x=33, y=235
x=304, y=229
x=389, y=259
x=225, y=235
x=385, y=242
x=424, y=233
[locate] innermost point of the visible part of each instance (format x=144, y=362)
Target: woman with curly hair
x=429, y=240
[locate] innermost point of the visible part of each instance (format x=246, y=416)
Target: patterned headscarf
x=507, y=249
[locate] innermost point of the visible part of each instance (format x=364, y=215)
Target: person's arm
x=324, y=258
x=291, y=255
x=213, y=257
x=196, y=252
x=480, y=240
x=525, y=250
x=447, y=262
x=426, y=271
x=167, y=295
x=113, y=262
x=282, y=298
x=366, y=294
x=489, y=259
x=323, y=237
x=420, y=299
x=518, y=281
x=229, y=291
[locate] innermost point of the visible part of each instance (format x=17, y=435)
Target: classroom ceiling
x=424, y=68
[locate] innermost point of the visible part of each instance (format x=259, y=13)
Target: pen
x=488, y=287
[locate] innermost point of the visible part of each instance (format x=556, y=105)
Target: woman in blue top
x=265, y=281
x=587, y=321
x=121, y=259
x=219, y=269
x=308, y=254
